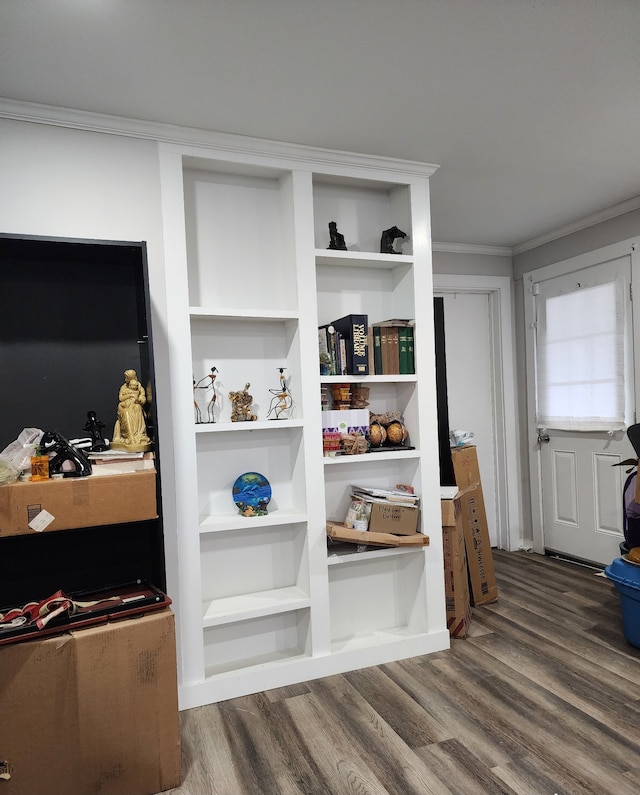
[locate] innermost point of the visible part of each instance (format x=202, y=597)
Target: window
x=580, y=352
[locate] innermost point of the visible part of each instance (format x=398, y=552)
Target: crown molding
x=229, y=143
x=577, y=226
x=465, y=248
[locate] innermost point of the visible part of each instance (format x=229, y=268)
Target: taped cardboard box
x=473, y=518
x=77, y=502
x=93, y=710
x=458, y=605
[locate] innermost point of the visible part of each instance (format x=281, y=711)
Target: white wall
x=61, y=182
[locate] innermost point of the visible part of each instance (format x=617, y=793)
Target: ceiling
x=530, y=107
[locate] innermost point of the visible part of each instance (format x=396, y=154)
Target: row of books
x=343, y=346
x=393, y=349
x=350, y=346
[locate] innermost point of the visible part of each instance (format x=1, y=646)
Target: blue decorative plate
x=252, y=493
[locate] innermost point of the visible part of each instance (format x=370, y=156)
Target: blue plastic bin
x=626, y=577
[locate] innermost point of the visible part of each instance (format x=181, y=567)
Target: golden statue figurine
x=241, y=403
x=130, y=431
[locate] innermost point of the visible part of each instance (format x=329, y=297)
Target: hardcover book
x=353, y=330
x=405, y=343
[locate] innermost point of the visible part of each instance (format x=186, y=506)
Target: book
x=324, y=350
x=370, y=351
x=377, y=350
x=120, y=462
x=331, y=343
x=396, y=322
x=394, y=350
x=353, y=331
x=384, y=345
x=411, y=364
x=396, y=496
x=343, y=368
x=405, y=368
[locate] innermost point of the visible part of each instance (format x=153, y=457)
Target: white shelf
x=336, y=558
x=260, y=602
x=244, y=315
x=258, y=425
x=368, y=640
x=234, y=521
x=258, y=666
x=253, y=605
x=369, y=379
x=362, y=259
x=391, y=455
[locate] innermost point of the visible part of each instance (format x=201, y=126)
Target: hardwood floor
x=542, y=698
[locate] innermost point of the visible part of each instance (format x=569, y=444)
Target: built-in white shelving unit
x=261, y=601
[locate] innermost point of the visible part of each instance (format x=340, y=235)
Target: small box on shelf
x=396, y=519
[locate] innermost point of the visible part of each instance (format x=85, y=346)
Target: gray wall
x=471, y=264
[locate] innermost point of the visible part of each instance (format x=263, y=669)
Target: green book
x=403, y=352
x=411, y=364
x=377, y=350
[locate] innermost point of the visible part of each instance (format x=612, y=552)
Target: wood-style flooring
x=542, y=698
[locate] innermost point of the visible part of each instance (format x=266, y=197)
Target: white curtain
x=580, y=353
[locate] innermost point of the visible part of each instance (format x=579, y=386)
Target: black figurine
x=388, y=238
x=64, y=451
x=337, y=240
x=95, y=428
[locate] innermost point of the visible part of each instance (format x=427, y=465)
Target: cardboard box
x=456, y=585
x=92, y=711
x=465, y=466
x=347, y=421
x=341, y=532
x=447, y=509
x=77, y=502
x=473, y=518
x=386, y=517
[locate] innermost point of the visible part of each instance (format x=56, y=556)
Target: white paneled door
x=581, y=344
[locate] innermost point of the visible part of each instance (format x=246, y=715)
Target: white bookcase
x=261, y=602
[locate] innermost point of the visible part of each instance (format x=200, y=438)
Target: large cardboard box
x=473, y=517
x=397, y=519
x=91, y=711
x=458, y=604
x=447, y=509
x=77, y=502
x=465, y=466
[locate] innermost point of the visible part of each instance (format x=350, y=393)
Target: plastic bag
x=460, y=438
x=18, y=454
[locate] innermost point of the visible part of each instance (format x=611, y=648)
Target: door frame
x=625, y=247
x=501, y=332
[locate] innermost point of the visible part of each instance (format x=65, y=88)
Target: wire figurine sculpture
x=210, y=378
x=281, y=404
